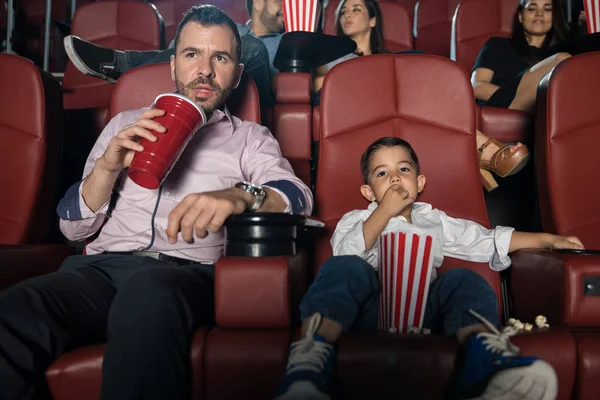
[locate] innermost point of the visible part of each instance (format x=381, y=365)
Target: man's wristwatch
x=256, y=190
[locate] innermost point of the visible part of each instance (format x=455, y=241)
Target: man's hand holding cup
x=125, y=144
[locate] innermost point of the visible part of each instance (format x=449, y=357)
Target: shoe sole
x=537, y=381
x=79, y=64
x=518, y=166
x=303, y=390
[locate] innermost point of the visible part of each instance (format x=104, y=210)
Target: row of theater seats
x=244, y=356
x=31, y=16
x=449, y=28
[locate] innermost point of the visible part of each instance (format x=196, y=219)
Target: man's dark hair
x=249, y=5
x=209, y=15
x=386, y=142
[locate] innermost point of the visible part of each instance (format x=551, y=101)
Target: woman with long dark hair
x=508, y=70
x=360, y=20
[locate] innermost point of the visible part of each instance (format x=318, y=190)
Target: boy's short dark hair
x=249, y=5
x=209, y=15
x=386, y=142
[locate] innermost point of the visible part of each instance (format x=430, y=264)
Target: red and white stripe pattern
x=405, y=263
x=592, y=15
x=300, y=15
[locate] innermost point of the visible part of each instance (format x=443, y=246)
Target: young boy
x=345, y=293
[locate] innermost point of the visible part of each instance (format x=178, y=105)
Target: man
x=146, y=283
x=266, y=24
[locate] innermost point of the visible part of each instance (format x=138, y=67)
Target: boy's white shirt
x=452, y=237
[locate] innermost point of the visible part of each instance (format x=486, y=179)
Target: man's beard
x=271, y=22
x=207, y=106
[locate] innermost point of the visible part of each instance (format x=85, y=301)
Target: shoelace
x=308, y=353
x=497, y=342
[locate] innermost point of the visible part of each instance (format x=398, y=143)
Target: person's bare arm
x=529, y=240
x=481, y=79
x=318, y=78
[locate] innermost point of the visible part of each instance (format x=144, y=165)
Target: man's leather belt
x=158, y=256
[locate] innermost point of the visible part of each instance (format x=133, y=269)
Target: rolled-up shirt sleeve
x=77, y=221
x=467, y=240
x=263, y=164
x=348, y=238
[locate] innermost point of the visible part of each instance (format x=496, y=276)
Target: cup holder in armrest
x=585, y=252
x=261, y=234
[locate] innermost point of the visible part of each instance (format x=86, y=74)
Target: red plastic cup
x=405, y=263
x=182, y=119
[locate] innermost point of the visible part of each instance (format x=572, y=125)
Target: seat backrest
x=292, y=120
x=34, y=11
x=139, y=87
x=567, y=141
x=30, y=131
x=329, y=22
x=125, y=25
x=433, y=24
x=172, y=11
x=3, y=16
x=397, y=23
x=474, y=22
x=397, y=27
x=438, y=119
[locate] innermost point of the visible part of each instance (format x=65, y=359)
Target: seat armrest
x=260, y=292
x=19, y=262
x=505, y=125
x=563, y=287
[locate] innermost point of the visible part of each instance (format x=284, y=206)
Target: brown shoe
x=504, y=162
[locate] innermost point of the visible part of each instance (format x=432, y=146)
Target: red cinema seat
x=30, y=139
x=250, y=293
x=565, y=286
x=292, y=120
x=329, y=17
x=433, y=24
x=474, y=22
x=130, y=93
x=121, y=25
x=438, y=119
x=397, y=27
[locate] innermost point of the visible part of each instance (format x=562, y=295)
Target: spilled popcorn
x=413, y=330
x=515, y=326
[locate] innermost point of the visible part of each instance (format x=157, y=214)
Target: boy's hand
x=395, y=199
x=566, y=242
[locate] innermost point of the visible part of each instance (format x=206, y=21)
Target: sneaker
x=309, y=370
x=93, y=60
x=493, y=370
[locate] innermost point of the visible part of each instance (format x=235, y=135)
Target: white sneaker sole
x=537, y=381
x=303, y=390
x=78, y=63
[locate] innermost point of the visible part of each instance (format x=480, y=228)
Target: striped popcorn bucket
x=301, y=15
x=405, y=263
x=592, y=15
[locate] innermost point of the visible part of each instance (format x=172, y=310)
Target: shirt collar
x=220, y=114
